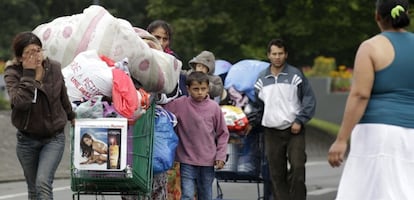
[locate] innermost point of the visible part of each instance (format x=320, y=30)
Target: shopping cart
x=245, y=163
x=135, y=179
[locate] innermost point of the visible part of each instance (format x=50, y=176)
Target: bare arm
x=363, y=78
x=100, y=147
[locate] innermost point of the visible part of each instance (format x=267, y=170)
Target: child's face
x=201, y=68
x=198, y=91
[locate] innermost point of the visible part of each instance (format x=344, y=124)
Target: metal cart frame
x=134, y=180
x=258, y=175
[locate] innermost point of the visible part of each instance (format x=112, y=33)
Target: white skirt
x=380, y=165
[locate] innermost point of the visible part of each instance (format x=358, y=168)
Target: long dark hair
x=86, y=150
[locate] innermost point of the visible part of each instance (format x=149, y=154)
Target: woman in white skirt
x=380, y=113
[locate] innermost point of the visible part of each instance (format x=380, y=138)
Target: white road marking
x=309, y=164
x=62, y=188
x=322, y=191
x=314, y=163
x=25, y=193
x=13, y=195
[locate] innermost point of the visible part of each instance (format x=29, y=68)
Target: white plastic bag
x=87, y=76
x=92, y=108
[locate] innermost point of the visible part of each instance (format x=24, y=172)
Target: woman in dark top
x=40, y=112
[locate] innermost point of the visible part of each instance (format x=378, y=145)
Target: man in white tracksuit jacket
x=287, y=103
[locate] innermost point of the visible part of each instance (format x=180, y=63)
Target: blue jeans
x=193, y=176
x=39, y=159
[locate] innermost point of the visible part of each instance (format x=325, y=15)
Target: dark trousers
x=281, y=147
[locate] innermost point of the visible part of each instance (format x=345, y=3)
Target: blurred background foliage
x=233, y=30
x=322, y=35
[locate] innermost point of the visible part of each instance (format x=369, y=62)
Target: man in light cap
x=205, y=62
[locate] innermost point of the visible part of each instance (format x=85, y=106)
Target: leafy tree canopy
x=233, y=30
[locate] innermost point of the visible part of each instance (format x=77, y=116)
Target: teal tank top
x=392, y=96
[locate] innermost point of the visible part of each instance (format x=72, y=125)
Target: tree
x=236, y=30
x=233, y=30
x=328, y=27
x=230, y=31
x=12, y=23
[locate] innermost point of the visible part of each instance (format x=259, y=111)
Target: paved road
x=322, y=180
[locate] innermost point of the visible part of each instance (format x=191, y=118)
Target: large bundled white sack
x=87, y=76
x=95, y=28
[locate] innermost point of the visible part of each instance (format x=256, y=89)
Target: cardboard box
x=100, y=144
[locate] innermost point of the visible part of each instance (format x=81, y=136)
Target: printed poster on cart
x=100, y=144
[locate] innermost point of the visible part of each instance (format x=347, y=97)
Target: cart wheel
x=75, y=194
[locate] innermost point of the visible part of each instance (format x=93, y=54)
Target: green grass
x=329, y=127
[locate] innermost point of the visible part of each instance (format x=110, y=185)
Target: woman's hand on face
x=32, y=57
x=29, y=62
